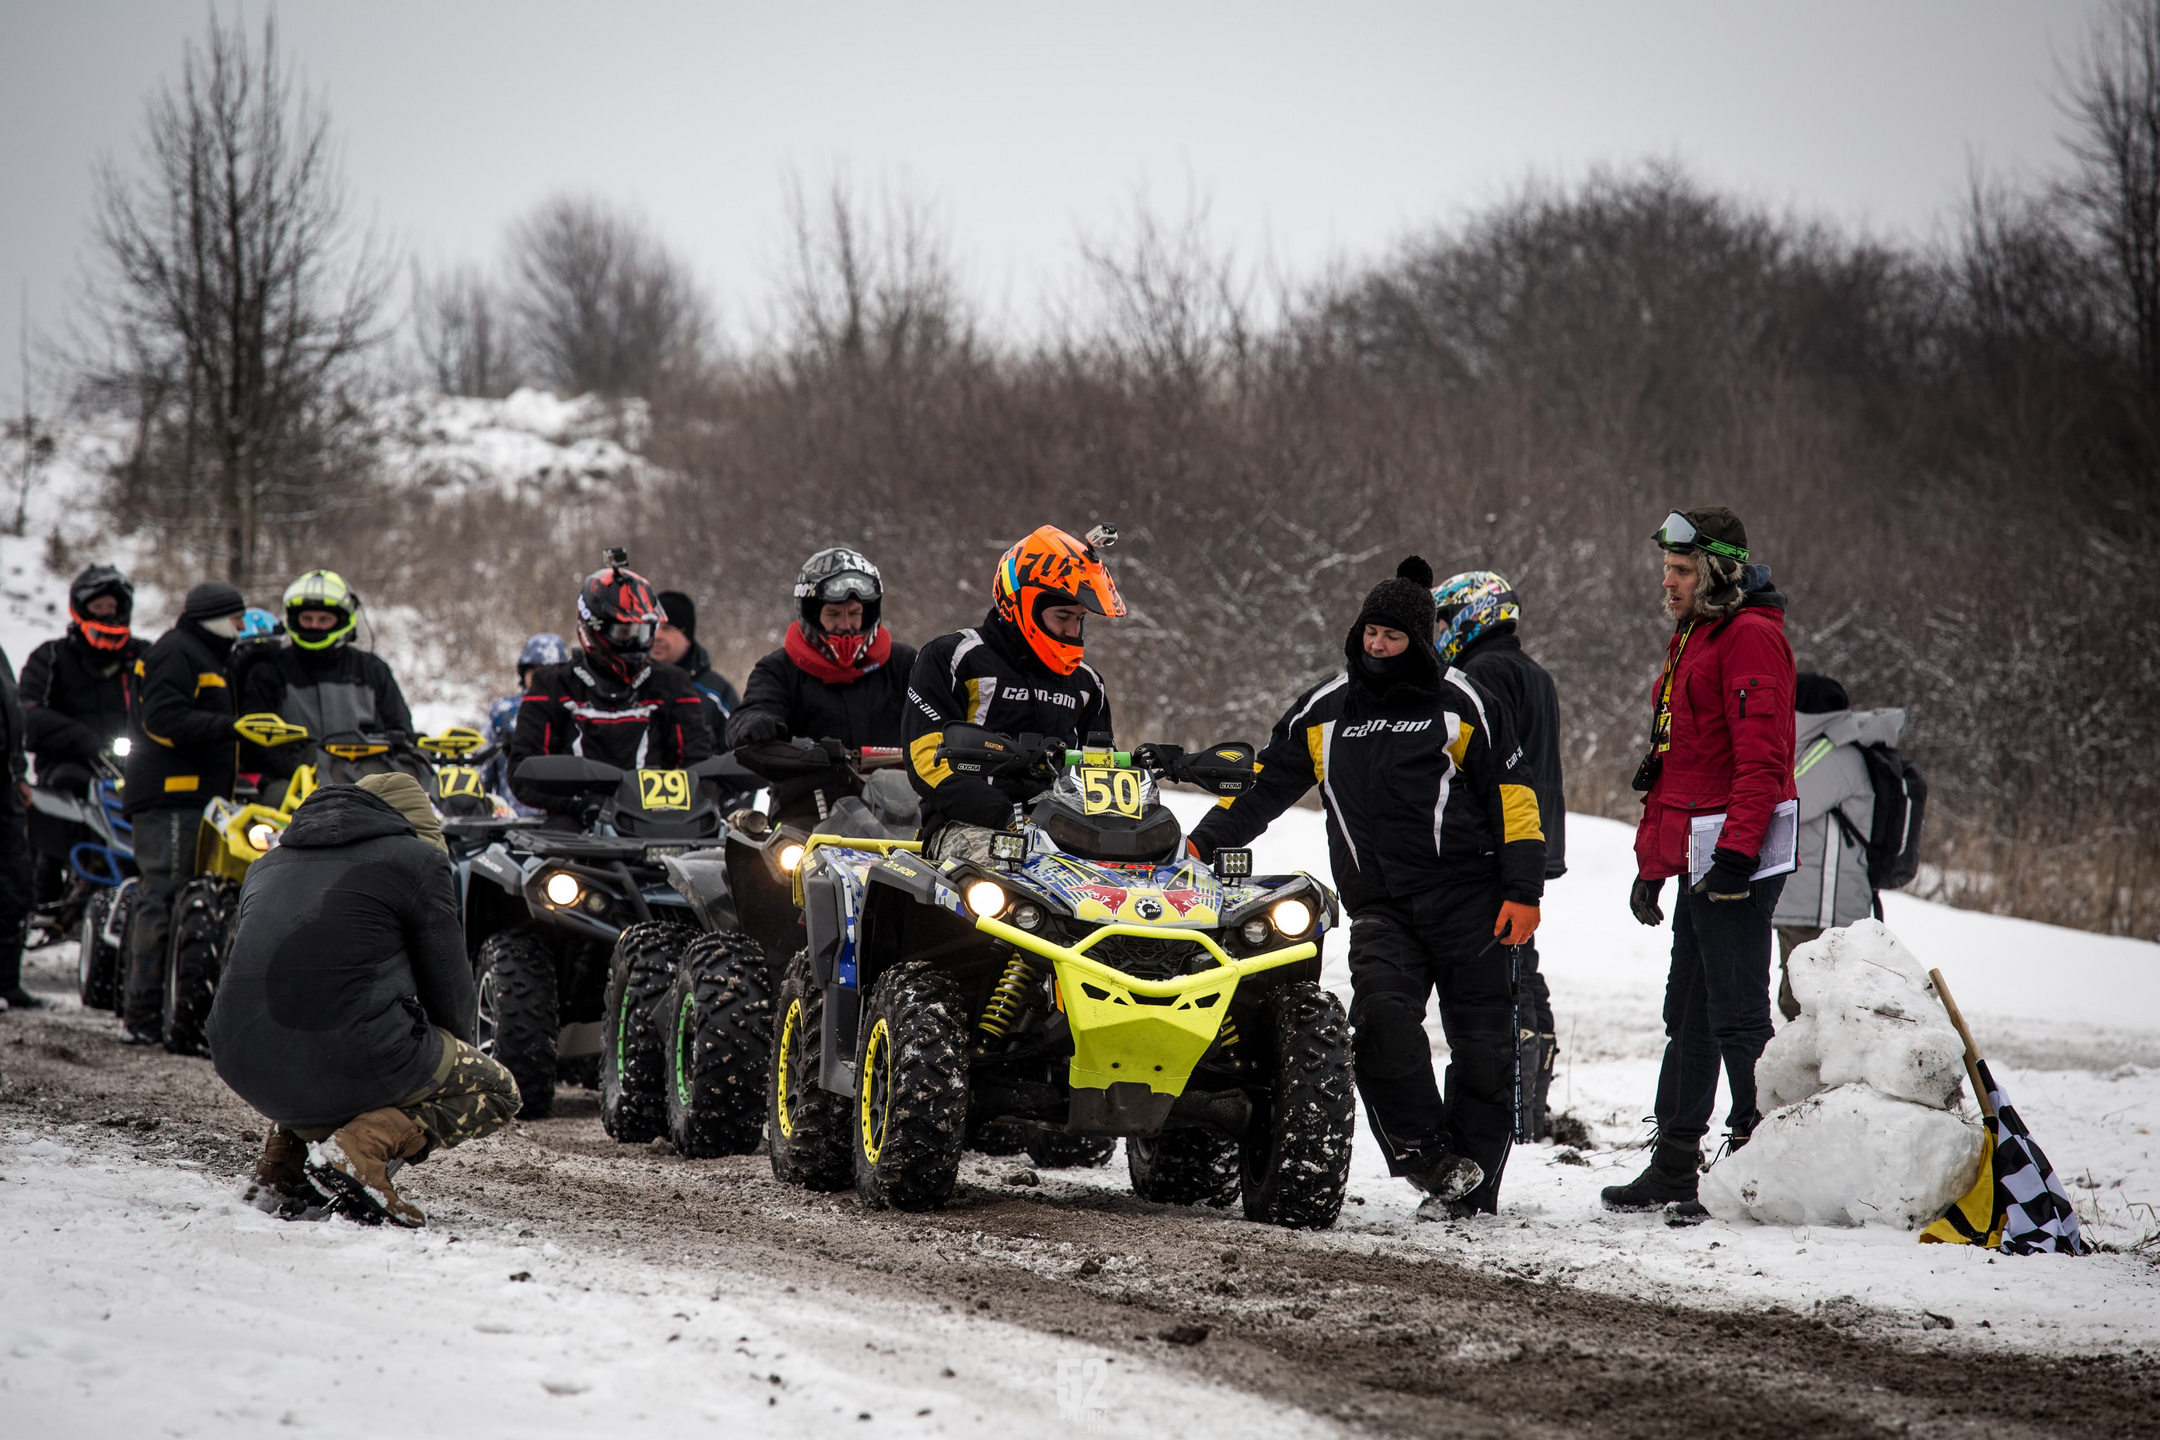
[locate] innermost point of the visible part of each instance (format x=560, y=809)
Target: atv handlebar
x=1225, y=769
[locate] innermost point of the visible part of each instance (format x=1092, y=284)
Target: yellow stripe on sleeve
x=922, y=754
x=1458, y=747
x=1316, y=746
x=1519, y=814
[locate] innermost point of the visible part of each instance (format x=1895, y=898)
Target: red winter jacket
x=1732, y=736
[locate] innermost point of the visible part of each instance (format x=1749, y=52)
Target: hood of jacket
x=1849, y=727
x=342, y=815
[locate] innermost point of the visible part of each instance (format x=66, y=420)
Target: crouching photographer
x=347, y=1011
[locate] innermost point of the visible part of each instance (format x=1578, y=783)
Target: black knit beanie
x=680, y=612
x=212, y=600
x=1404, y=603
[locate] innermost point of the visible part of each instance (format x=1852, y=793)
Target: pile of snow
x=529, y=445
x=1859, y=1091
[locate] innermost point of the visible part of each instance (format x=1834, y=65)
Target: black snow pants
x=15, y=888
x=1717, y=1008
x=165, y=857
x=1401, y=952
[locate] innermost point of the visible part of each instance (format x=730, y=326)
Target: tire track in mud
x=1363, y=1330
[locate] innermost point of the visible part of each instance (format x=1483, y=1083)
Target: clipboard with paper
x=1780, y=853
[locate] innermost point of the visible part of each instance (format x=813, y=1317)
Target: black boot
x=1443, y=1174
x=1669, y=1179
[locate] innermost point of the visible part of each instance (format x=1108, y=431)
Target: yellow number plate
x=1105, y=791
x=458, y=780
x=664, y=789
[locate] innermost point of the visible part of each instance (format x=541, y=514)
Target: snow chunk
x=1875, y=1021
x=1847, y=1156
x=1790, y=1069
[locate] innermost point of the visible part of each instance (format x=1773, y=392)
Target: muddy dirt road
x=1365, y=1331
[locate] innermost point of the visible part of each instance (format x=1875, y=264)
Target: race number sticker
x=664, y=789
x=458, y=780
x=1104, y=791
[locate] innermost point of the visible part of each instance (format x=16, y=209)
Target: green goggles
x=1679, y=533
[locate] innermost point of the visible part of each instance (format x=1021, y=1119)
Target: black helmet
x=617, y=615
x=98, y=581
x=836, y=575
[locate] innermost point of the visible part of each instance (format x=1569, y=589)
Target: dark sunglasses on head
x=1679, y=533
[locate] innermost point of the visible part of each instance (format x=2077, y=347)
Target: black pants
x=1717, y=1008
x=1401, y=952
x=1536, y=999
x=165, y=856
x=15, y=889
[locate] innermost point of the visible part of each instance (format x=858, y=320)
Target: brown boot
x=371, y=1148
x=280, y=1172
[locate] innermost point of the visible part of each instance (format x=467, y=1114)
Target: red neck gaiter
x=813, y=660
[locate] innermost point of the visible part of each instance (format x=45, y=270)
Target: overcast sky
x=1314, y=131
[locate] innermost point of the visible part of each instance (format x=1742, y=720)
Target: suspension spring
x=1009, y=998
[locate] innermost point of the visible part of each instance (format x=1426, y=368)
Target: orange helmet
x=1050, y=567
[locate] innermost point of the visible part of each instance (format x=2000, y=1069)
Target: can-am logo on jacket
x=1374, y=727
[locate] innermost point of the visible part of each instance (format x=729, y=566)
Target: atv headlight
x=985, y=897
x=791, y=856
x=1027, y=916
x=263, y=836
x=1255, y=931
x=561, y=888
x=1291, y=917
x=121, y=745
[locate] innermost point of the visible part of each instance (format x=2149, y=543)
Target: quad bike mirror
x=972, y=750
x=1225, y=769
x=266, y=729
x=567, y=775
x=453, y=743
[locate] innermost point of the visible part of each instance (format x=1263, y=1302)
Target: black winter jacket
x=348, y=952
x=75, y=699
x=1417, y=782
x=11, y=718
x=658, y=725
x=181, y=740
x=988, y=676
x=714, y=692
x=1520, y=686
x=869, y=710
x=329, y=691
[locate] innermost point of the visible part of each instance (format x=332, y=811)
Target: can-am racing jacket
x=658, y=725
x=1419, y=787
x=987, y=676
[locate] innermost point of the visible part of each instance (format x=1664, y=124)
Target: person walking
x=1721, y=744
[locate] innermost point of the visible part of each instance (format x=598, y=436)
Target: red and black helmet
x=618, y=614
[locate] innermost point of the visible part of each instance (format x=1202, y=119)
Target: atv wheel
x=998, y=1139
x=910, y=1090
x=97, y=962
x=1055, y=1150
x=194, y=961
x=1297, y=1156
x=807, y=1123
x=716, y=1021
x=633, y=1074
x=518, y=1023
x=1184, y=1167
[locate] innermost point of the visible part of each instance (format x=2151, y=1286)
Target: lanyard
x=1661, y=722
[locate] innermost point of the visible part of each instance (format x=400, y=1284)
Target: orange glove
x=1517, y=923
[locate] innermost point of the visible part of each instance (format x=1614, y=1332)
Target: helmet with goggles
x=110, y=630
x=1469, y=606
x=618, y=614
x=322, y=592
x=1051, y=568
x=833, y=577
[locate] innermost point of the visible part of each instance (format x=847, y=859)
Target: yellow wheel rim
x=790, y=1030
x=875, y=1090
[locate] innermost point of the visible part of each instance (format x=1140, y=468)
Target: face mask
x=227, y=626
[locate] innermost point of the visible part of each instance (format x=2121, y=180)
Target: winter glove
x=1643, y=901
x=1517, y=923
x=754, y=727
x=1728, y=877
x=1205, y=854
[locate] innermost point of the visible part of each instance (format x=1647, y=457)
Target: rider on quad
x=75, y=705
x=839, y=676
x=318, y=679
x=609, y=702
x=1018, y=673
x=545, y=648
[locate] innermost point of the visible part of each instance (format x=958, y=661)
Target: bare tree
x=2114, y=100
x=232, y=305
x=871, y=286
x=464, y=335
x=600, y=303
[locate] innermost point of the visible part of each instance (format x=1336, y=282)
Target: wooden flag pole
x=1972, y=1051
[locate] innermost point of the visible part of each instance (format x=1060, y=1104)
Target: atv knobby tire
x=716, y=1039
x=1184, y=1167
x=806, y=1123
x=1297, y=1154
x=998, y=1138
x=1055, y=1150
x=518, y=1018
x=633, y=1073
x=99, y=964
x=911, y=1064
x=193, y=961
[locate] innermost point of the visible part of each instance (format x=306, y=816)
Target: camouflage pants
x=468, y=1096
x=959, y=840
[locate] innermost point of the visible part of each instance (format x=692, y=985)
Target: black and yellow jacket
x=988, y=676
x=1418, y=777
x=181, y=742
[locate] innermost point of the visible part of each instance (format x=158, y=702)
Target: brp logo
x=1149, y=908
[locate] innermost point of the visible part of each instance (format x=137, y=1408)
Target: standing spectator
x=675, y=643
x=15, y=898
x=1721, y=740
x=181, y=753
x=1831, y=887
x=1476, y=614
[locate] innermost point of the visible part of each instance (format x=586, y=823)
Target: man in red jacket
x=1721, y=742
